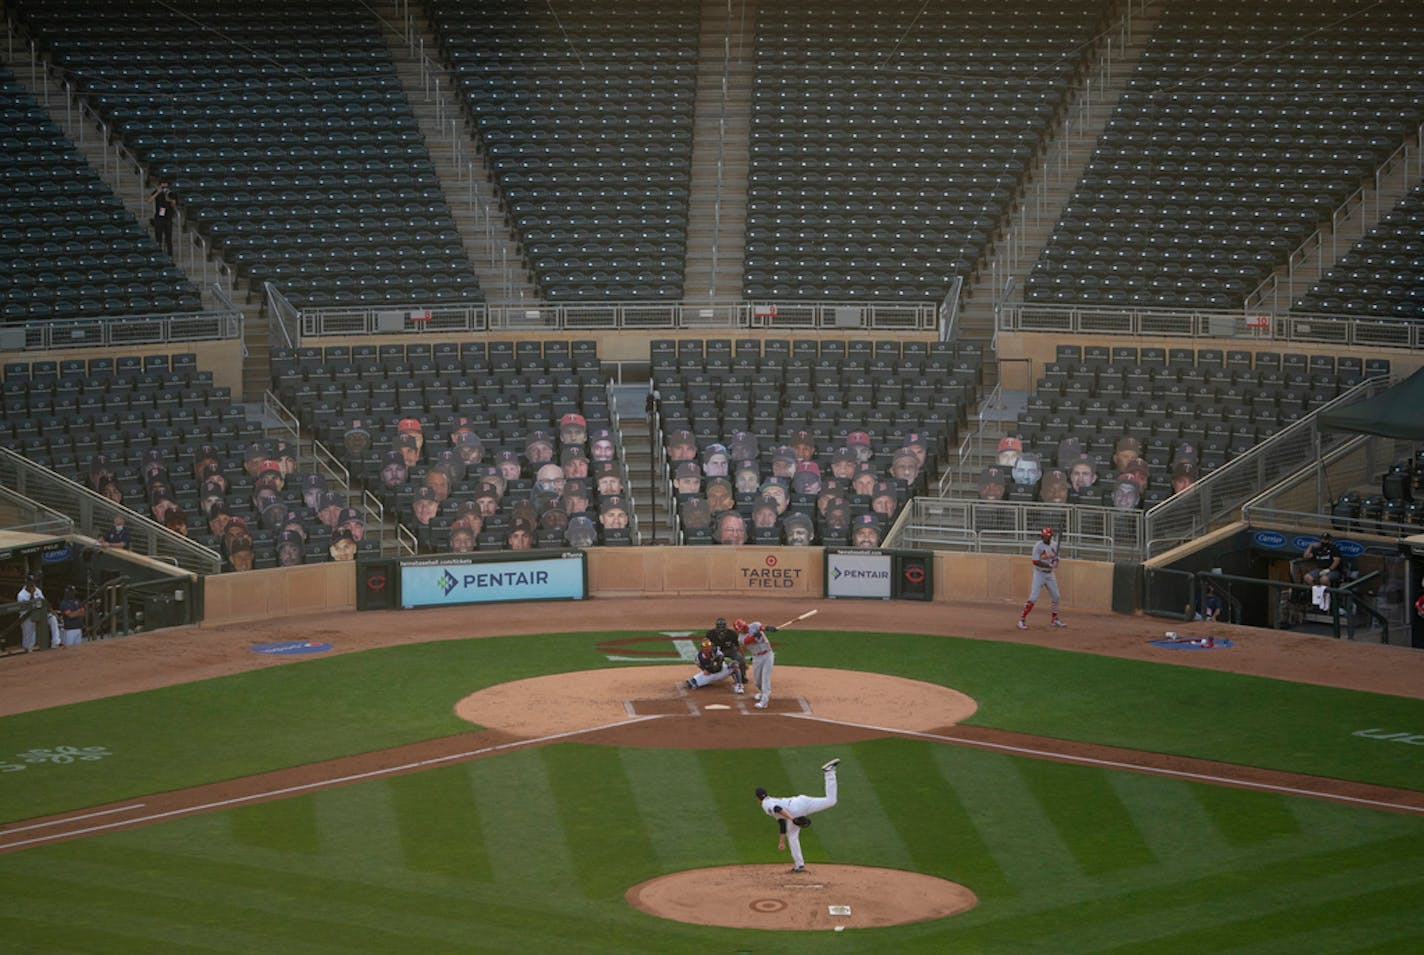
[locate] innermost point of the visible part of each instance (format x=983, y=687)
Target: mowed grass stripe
x=1270, y=815
x=517, y=814
x=192, y=912
x=32, y=931
x=384, y=896
x=1089, y=817
x=1030, y=929
x=733, y=776
x=283, y=825
x=671, y=778
x=1297, y=922
x=1009, y=820
x=926, y=813
x=594, y=803
x=439, y=824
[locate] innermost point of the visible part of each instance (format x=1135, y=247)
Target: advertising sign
x=448, y=581
x=858, y=573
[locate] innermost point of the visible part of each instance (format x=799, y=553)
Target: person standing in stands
x=116, y=536
x=165, y=210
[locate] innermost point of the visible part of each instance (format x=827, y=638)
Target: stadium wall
x=757, y=572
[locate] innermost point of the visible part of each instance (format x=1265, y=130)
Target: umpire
x=725, y=639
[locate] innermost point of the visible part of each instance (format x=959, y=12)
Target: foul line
x=289, y=790
x=60, y=822
x=1116, y=764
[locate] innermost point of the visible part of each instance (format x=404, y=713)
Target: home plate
x=716, y=706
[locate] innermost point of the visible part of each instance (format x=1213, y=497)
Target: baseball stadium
x=757, y=476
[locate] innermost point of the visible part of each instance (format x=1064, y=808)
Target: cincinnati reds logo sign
x=915, y=575
x=376, y=582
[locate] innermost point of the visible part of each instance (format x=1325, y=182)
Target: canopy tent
x=1395, y=413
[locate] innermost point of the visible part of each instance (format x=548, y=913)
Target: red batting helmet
x=739, y=625
x=1047, y=532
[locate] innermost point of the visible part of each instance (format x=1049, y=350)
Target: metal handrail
x=147, y=536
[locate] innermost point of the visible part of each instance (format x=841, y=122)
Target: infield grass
x=325, y=708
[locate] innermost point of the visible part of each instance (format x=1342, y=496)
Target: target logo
x=771, y=560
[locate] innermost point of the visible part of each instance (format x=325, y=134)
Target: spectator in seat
x=695, y=513
x=603, y=448
x=682, y=446
x=687, y=478
x=573, y=429
x=747, y=477
x=865, y=531
x=992, y=483
x=798, y=530
x=581, y=531
x=731, y=529
x=715, y=461
x=1053, y=489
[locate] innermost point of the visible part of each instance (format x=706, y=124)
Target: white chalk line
x=68, y=819
x=1116, y=764
x=290, y=790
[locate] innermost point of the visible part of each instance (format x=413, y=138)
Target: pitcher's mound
x=770, y=897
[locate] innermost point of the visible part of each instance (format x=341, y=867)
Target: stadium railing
x=1070, y=320
x=95, y=513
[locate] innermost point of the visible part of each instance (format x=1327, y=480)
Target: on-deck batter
x=1045, y=562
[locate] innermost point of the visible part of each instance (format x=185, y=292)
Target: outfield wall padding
x=793, y=572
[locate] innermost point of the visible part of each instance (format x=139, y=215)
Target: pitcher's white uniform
x=785, y=808
x=763, y=658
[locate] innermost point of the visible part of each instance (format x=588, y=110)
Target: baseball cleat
x=758, y=697
x=761, y=704
x=827, y=767
x=1023, y=625
x=1059, y=623
x=799, y=868
x=738, y=689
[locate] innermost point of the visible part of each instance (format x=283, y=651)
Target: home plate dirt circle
x=587, y=699
x=769, y=897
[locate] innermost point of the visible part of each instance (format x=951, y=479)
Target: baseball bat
x=809, y=613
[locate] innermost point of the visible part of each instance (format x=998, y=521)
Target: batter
x=1045, y=562
x=792, y=813
x=758, y=647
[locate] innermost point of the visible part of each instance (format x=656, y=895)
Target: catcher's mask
x=721, y=623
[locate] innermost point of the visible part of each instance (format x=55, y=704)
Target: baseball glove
x=802, y=821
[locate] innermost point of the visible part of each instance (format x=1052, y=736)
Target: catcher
x=796, y=811
x=711, y=667
x=726, y=639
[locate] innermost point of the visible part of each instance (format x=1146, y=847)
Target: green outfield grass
x=531, y=850
x=522, y=853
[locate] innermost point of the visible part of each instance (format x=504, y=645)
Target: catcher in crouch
x=728, y=641
x=711, y=667
x=793, y=813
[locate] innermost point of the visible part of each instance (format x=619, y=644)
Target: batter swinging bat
x=809, y=613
